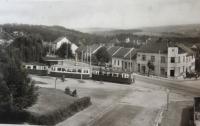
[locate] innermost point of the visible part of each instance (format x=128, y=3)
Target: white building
x=58, y=42
x=169, y=60
x=123, y=59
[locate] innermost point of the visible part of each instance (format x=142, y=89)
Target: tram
x=70, y=71
x=113, y=76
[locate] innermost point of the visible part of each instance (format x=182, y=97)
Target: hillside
x=48, y=33
x=190, y=30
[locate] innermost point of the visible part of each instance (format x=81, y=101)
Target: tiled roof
x=113, y=50
x=155, y=47
x=162, y=47
x=132, y=54
x=122, y=53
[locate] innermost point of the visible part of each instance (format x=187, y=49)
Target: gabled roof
x=132, y=54
x=123, y=52
x=113, y=50
x=61, y=38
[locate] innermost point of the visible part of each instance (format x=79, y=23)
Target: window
x=63, y=69
x=69, y=70
x=34, y=67
x=115, y=75
x=162, y=59
x=114, y=62
x=172, y=59
x=143, y=57
x=79, y=70
x=162, y=71
x=152, y=58
x=179, y=59
x=125, y=65
x=183, y=58
x=73, y=70
x=28, y=67
x=85, y=71
x=118, y=62
x=58, y=69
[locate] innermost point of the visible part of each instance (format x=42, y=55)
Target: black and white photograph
x=100, y=62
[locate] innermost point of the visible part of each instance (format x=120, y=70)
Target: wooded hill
x=50, y=33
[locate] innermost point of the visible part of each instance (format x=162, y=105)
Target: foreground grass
x=54, y=106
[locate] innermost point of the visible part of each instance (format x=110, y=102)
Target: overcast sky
x=100, y=13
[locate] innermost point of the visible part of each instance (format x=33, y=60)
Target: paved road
x=115, y=104
x=170, y=84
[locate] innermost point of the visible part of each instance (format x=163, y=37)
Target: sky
x=100, y=13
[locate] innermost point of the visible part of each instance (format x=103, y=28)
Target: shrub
x=67, y=91
x=61, y=114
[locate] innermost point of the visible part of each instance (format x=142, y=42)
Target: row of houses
x=170, y=60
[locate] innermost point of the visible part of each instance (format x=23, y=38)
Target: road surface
x=119, y=105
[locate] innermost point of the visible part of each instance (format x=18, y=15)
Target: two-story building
x=169, y=59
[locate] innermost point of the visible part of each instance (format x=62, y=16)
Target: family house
x=58, y=42
x=123, y=58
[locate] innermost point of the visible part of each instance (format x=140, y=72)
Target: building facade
x=172, y=61
x=124, y=59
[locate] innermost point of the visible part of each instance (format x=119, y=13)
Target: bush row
x=61, y=114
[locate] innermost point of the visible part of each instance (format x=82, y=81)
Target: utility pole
x=90, y=63
x=87, y=55
x=90, y=57
x=168, y=91
x=82, y=65
x=55, y=82
x=159, y=58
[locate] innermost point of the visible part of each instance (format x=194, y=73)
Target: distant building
x=169, y=60
x=58, y=42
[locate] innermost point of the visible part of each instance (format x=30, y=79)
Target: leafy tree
x=30, y=48
x=65, y=51
x=16, y=88
x=102, y=56
x=151, y=66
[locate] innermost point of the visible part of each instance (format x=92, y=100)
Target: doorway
x=172, y=73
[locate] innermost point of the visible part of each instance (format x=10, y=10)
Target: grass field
x=54, y=105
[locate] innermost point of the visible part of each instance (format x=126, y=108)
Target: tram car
x=67, y=71
x=113, y=76
x=36, y=68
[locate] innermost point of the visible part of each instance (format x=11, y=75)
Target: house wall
x=182, y=63
x=123, y=64
x=158, y=65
